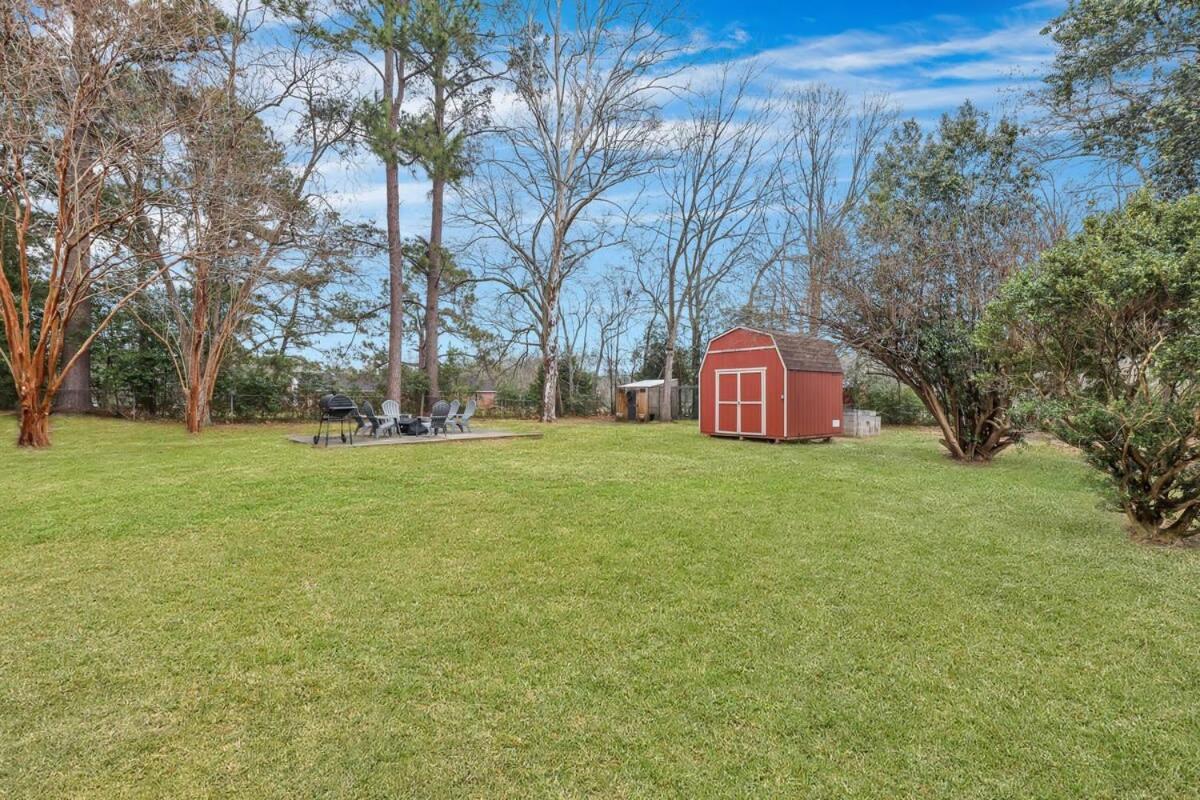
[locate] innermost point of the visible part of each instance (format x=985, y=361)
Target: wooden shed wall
x=620, y=407
x=646, y=404
x=815, y=401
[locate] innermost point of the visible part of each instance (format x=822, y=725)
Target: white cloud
x=368, y=203
x=928, y=64
x=701, y=40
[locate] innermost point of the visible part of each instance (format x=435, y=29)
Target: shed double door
x=741, y=401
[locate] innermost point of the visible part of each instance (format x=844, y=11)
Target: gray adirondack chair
x=380, y=426
x=438, y=416
x=464, y=419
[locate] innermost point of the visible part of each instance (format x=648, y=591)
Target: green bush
x=577, y=394
x=1105, y=332
x=896, y=405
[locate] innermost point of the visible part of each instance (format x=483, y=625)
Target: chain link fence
x=168, y=403
x=247, y=407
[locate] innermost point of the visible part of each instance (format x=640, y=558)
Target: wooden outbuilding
x=639, y=401
x=770, y=385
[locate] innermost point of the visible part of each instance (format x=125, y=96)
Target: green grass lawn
x=616, y=611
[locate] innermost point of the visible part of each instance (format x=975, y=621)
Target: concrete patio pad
x=367, y=441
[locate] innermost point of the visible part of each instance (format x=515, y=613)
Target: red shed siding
x=815, y=400
x=730, y=387
x=742, y=349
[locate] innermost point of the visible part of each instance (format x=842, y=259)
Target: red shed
x=770, y=385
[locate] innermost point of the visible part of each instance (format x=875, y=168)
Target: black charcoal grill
x=342, y=410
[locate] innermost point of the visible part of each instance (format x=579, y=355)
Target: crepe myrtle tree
x=1105, y=330
x=237, y=210
x=73, y=117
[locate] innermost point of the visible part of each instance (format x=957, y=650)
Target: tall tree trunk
x=672, y=336
x=550, y=383
x=814, y=310
x=75, y=391
x=395, y=286
x=612, y=383
x=395, y=253
x=814, y=292
x=550, y=358
x=193, y=353
x=664, y=403
x=74, y=394
x=665, y=412
x=567, y=350
x=433, y=288
x=202, y=373
x=697, y=350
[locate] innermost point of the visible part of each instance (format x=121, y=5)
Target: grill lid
x=337, y=405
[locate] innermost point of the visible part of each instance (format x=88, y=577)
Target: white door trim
x=719, y=402
x=739, y=402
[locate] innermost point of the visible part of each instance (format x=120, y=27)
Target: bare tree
x=829, y=152
x=617, y=309
x=718, y=189
x=585, y=87
x=235, y=209
x=74, y=78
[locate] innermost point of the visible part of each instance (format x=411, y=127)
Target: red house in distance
x=770, y=385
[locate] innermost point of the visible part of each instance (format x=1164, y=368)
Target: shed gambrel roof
x=806, y=353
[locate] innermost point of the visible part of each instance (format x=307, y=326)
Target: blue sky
x=928, y=56
x=775, y=22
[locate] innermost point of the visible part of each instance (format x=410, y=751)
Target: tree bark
x=75, y=393
x=197, y=415
x=664, y=403
x=550, y=383
x=550, y=358
x=813, y=293
x=697, y=345
x=395, y=286
x=1154, y=526
x=35, y=425
x=433, y=288
x=202, y=383
x=672, y=336
x=949, y=435
x=395, y=253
